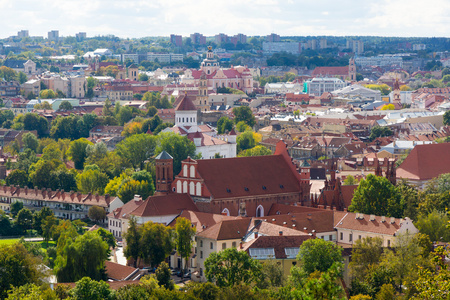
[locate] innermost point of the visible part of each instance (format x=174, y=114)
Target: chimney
x=97, y=197
x=392, y=220
x=280, y=233
x=372, y=217
x=256, y=235
x=241, y=245
x=345, y=209
x=357, y=216
x=383, y=219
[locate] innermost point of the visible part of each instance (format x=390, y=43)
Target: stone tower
x=352, y=69
x=202, y=97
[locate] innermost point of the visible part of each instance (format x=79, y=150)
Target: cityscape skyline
x=399, y=18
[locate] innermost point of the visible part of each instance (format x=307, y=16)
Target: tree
x=48, y=225
x=179, y=147
x=318, y=255
x=39, y=217
x=388, y=107
x=96, y=213
x=143, y=77
x=376, y=195
x=245, y=141
x=273, y=273
x=107, y=236
x=32, y=121
x=88, y=289
x=31, y=292
x=77, y=152
x=45, y=94
x=25, y=219
x=132, y=237
x=259, y=150
x=365, y=252
x=137, y=149
x=7, y=73
x=447, y=118
x=434, y=225
x=83, y=257
x=125, y=115
x=65, y=105
x=155, y=243
x=184, y=235
x=22, y=77
x=17, y=177
x=231, y=267
x=18, y=267
x=92, y=181
x=130, y=187
x=244, y=113
x=223, y=125
x=378, y=131
x=162, y=274
x=350, y=180
x=30, y=141
x=16, y=207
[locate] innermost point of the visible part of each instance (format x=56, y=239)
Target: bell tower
x=164, y=173
x=352, y=69
x=202, y=97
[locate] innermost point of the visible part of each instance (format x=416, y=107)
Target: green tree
x=137, y=149
x=48, y=225
x=7, y=73
x=244, y=113
x=132, y=237
x=155, y=243
x=25, y=219
x=231, y=267
x=83, y=257
x=125, y=115
x=378, y=131
x=223, y=125
x=318, y=255
x=259, y=150
x=96, y=213
x=350, y=180
x=245, y=141
x=88, y=289
x=39, y=217
x=107, y=236
x=163, y=274
x=376, y=195
x=17, y=177
x=77, y=152
x=16, y=207
x=179, y=147
x=18, y=267
x=31, y=292
x=92, y=181
x=143, y=77
x=184, y=237
x=30, y=141
x=22, y=77
x=273, y=273
x=32, y=121
x=46, y=94
x=447, y=118
x=65, y=105
x=366, y=252
x=130, y=187
x=434, y=225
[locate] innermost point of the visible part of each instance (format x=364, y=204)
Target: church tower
x=352, y=69
x=164, y=173
x=396, y=92
x=209, y=64
x=202, y=97
x=133, y=72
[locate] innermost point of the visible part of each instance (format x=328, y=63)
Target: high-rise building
x=241, y=38
x=198, y=39
x=273, y=38
x=53, y=35
x=80, y=36
x=177, y=40
x=356, y=46
x=23, y=34
x=221, y=38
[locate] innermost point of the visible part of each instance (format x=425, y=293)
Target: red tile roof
x=349, y=221
x=119, y=272
x=227, y=230
x=202, y=220
x=185, y=104
x=125, y=209
x=162, y=205
x=278, y=243
x=426, y=162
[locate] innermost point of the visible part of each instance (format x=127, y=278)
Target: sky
x=141, y=18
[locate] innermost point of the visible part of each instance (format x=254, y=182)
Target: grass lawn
x=8, y=241
x=44, y=244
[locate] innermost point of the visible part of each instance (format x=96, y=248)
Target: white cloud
x=139, y=18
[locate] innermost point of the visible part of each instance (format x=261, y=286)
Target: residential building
x=53, y=35
x=283, y=88
x=9, y=88
x=356, y=46
x=77, y=87
x=166, y=58
x=351, y=227
x=177, y=40
x=32, y=86
x=383, y=60
x=105, y=131
x=23, y=34
x=198, y=39
x=80, y=36
x=273, y=38
x=276, y=47
x=115, y=223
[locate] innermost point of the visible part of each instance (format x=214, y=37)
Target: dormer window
x=228, y=190
x=281, y=186
x=246, y=189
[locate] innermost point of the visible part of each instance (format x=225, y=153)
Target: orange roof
x=227, y=230
x=349, y=221
x=119, y=272
x=185, y=104
x=202, y=220
x=171, y=204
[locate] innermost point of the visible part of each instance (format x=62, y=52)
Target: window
x=389, y=243
x=350, y=237
x=201, y=272
x=331, y=237
x=192, y=175
x=201, y=243
x=211, y=245
x=201, y=254
x=224, y=246
x=233, y=245
x=259, y=211
x=359, y=237
x=262, y=253
x=291, y=252
x=342, y=236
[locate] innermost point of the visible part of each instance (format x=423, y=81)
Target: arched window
x=259, y=211
x=226, y=211
x=192, y=175
x=185, y=171
x=199, y=189
x=185, y=187
x=192, y=188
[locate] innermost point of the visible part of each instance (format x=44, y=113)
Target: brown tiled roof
x=349, y=221
x=283, y=209
x=119, y=272
x=271, y=229
x=330, y=71
x=227, y=230
x=185, y=104
x=278, y=243
x=171, y=204
x=202, y=220
x=426, y=162
x=125, y=209
x=248, y=176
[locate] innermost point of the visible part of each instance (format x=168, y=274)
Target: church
x=240, y=186
x=212, y=75
x=205, y=137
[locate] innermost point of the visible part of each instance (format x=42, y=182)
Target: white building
x=357, y=91
x=164, y=57
x=384, y=60
x=283, y=88
x=275, y=47
x=205, y=137
x=318, y=86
